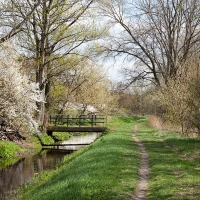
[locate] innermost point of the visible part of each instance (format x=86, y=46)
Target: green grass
x=46, y=139
x=62, y=136
x=174, y=165
x=11, y=152
x=108, y=169
x=8, y=149
x=105, y=170
x=8, y=152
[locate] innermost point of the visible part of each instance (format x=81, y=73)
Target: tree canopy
x=157, y=37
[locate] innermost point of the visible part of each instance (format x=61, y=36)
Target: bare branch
x=16, y=29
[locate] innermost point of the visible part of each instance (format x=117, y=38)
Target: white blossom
x=18, y=95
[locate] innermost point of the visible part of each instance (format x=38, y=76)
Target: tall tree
x=85, y=87
x=8, y=10
x=157, y=36
x=55, y=30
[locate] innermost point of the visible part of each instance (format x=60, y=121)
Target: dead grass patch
x=155, y=122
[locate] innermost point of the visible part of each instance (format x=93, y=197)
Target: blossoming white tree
x=18, y=95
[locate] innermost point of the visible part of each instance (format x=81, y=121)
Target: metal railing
x=81, y=120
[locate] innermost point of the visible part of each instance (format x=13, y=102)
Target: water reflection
x=25, y=169
x=79, y=141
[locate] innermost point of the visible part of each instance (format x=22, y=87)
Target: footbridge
x=81, y=123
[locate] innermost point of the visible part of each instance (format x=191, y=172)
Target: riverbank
x=108, y=169
x=14, y=148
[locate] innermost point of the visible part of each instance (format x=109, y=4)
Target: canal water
x=25, y=169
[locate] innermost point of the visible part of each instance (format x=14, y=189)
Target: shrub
x=8, y=149
x=156, y=122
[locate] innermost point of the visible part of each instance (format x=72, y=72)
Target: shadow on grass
x=174, y=175
x=128, y=119
x=107, y=170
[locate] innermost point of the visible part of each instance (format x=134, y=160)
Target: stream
x=26, y=168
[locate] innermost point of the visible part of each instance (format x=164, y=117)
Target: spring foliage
x=180, y=98
x=18, y=95
x=86, y=88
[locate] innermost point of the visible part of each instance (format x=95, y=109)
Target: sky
x=113, y=68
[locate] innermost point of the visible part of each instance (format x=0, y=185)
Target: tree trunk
x=47, y=106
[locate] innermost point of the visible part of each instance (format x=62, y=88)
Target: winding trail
x=140, y=193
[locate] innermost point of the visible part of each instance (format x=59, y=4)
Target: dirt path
x=140, y=193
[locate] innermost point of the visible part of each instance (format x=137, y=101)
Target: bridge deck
x=83, y=123
x=51, y=129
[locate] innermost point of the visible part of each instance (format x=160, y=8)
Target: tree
x=7, y=9
x=54, y=31
x=135, y=100
x=17, y=93
x=83, y=87
x=157, y=36
x=180, y=99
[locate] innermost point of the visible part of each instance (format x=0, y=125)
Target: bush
x=179, y=99
x=155, y=122
x=8, y=149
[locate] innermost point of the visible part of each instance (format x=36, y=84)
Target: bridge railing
x=82, y=120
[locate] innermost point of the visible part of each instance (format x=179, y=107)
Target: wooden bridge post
x=79, y=120
x=92, y=121
x=67, y=120
x=95, y=120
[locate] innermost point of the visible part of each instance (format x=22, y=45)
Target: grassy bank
x=174, y=164
x=108, y=169
x=105, y=170
x=8, y=152
x=11, y=152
